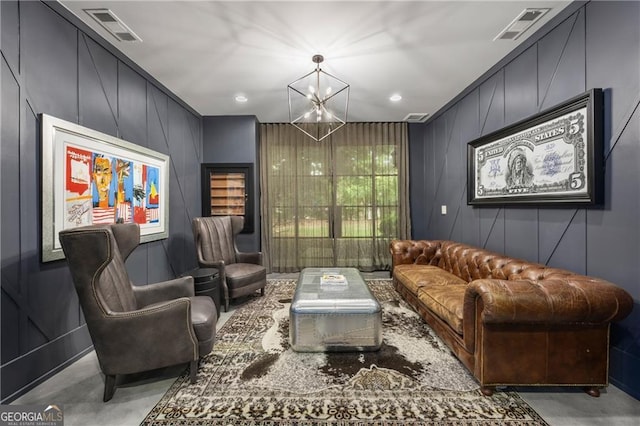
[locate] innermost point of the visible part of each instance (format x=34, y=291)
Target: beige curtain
x=338, y=202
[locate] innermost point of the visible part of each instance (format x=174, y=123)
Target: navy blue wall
x=593, y=45
x=52, y=64
x=234, y=139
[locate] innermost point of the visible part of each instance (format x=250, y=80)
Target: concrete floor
x=79, y=387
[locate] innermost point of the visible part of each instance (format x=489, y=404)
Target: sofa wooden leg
x=487, y=390
x=109, y=387
x=193, y=370
x=593, y=391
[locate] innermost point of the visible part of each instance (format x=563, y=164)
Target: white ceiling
x=208, y=52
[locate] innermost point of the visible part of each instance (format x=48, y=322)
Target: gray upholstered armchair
x=134, y=328
x=240, y=273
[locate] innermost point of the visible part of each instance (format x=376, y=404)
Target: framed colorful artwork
x=89, y=177
x=554, y=157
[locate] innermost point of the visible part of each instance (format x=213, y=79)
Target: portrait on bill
x=554, y=156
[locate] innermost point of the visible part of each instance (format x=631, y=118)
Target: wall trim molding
x=533, y=39
x=75, y=341
x=91, y=33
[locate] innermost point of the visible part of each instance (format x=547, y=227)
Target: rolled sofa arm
x=421, y=252
x=577, y=299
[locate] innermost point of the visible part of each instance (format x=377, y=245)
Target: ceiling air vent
x=416, y=117
x=110, y=22
x=523, y=22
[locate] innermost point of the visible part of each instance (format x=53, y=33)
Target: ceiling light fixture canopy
x=318, y=102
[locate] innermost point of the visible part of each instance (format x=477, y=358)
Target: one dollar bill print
x=546, y=159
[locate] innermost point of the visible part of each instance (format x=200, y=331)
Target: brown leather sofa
x=511, y=322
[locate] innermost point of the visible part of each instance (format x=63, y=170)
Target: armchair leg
x=193, y=370
x=262, y=291
x=109, y=387
x=226, y=305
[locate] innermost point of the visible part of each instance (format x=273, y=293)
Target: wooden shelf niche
x=227, y=191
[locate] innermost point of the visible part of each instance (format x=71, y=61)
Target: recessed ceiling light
x=395, y=98
x=241, y=98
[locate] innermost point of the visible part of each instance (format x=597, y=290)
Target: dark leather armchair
x=134, y=328
x=240, y=273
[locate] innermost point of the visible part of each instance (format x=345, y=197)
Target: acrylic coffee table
x=334, y=317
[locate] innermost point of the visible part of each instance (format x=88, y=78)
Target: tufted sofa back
x=470, y=263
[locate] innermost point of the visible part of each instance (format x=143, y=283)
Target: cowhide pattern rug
x=253, y=377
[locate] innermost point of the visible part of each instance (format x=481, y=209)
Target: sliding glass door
x=366, y=204
x=329, y=203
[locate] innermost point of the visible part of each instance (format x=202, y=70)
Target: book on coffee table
x=333, y=279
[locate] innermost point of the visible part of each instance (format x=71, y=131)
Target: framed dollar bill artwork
x=555, y=156
x=91, y=178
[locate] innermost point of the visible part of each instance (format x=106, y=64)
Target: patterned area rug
x=252, y=377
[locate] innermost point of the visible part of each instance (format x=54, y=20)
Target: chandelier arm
x=299, y=119
x=297, y=91
x=317, y=99
x=302, y=78
x=334, y=94
x=325, y=109
x=332, y=76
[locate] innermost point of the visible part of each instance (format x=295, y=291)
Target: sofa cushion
x=445, y=301
x=415, y=276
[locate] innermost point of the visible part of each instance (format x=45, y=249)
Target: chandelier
x=318, y=102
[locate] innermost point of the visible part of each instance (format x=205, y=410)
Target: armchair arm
x=156, y=336
x=255, y=258
x=167, y=290
x=219, y=265
x=574, y=299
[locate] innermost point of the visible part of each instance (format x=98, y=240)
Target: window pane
x=312, y=160
x=353, y=160
x=387, y=190
x=284, y=221
x=314, y=191
x=354, y=190
x=385, y=160
x=387, y=222
x=314, y=252
x=354, y=222
x=313, y=222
